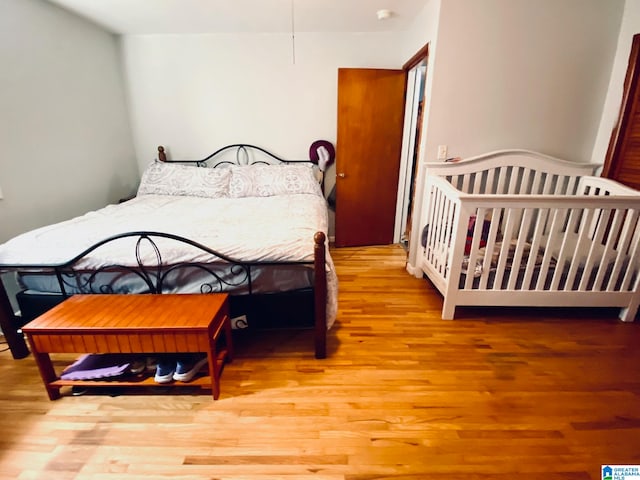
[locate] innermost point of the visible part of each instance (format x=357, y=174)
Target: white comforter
x=277, y=228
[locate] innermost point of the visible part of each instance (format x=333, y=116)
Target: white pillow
x=174, y=179
x=269, y=180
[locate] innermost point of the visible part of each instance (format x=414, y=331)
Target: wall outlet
x=442, y=152
x=240, y=322
x=1, y=194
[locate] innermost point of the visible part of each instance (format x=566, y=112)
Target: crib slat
x=479, y=180
x=547, y=183
x=526, y=180
x=444, y=242
x=631, y=227
x=583, y=239
x=520, y=239
x=504, y=249
x=626, y=232
x=436, y=228
x=431, y=221
x=567, y=249
x=525, y=217
x=494, y=228
x=465, y=183
x=535, y=185
x=513, y=181
x=609, y=252
x=481, y=215
x=501, y=171
x=572, y=186
x=491, y=175
x=631, y=277
x=557, y=185
x=440, y=223
x=544, y=268
x=451, y=211
x=475, y=245
x=560, y=239
x=596, y=240
x=540, y=221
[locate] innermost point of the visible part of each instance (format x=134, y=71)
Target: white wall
x=630, y=26
x=519, y=74
x=522, y=74
x=196, y=93
x=65, y=140
x=424, y=30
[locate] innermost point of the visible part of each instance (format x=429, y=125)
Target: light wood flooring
x=495, y=394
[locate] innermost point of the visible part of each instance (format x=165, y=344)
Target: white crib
x=518, y=228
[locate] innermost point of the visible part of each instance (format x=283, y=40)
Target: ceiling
x=131, y=17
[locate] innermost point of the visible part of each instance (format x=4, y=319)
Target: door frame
x=409, y=147
x=631, y=84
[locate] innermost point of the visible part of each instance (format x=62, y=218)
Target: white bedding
x=275, y=228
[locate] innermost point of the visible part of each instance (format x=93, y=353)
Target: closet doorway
x=416, y=70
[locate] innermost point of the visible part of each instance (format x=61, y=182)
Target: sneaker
x=188, y=366
x=137, y=365
x=152, y=364
x=165, y=369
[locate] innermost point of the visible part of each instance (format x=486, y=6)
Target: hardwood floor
x=495, y=394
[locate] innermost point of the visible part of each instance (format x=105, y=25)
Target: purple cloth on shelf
x=93, y=366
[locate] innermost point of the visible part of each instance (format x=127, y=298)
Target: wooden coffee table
x=145, y=324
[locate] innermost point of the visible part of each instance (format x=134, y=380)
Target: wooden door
x=623, y=157
x=369, y=140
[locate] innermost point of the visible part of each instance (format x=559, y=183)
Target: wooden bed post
x=161, y=155
x=320, y=292
x=16, y=342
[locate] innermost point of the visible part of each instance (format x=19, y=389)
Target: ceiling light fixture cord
x=293, y=33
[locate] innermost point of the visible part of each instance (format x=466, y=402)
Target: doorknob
x=341, y=175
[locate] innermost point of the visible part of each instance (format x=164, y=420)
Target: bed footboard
x=9, y=326
x=146, y=273
x=320, y=292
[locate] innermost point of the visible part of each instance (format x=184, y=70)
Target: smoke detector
x=383, y=14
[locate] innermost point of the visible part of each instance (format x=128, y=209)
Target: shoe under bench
x=138, y=324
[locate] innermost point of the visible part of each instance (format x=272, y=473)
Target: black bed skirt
x=262, y=311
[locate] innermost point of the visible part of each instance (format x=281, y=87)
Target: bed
x=242, y=220
x=519, y=228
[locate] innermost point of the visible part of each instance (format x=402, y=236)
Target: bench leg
x=228, y=334
x=214, y=372
x=48, y=374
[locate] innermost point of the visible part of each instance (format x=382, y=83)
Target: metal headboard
x=236, y=154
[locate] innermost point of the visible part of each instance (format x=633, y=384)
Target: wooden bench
x=145, y=324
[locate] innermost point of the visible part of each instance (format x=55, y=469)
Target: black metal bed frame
x=305, y=307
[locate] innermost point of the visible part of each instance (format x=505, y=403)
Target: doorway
x=378, y=150
x=414, y=108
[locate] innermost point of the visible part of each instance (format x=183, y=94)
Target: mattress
x=277, y=228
